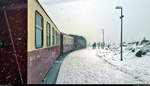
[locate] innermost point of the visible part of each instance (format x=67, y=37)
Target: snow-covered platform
x=86, y=67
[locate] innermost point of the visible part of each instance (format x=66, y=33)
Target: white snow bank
x=138, y=67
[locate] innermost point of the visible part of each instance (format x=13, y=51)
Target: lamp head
x=118, y=7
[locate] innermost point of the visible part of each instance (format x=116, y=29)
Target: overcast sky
x=88, y=17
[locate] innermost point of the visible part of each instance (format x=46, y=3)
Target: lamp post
x=103, y=35
x=103, y=38
x=121, y=17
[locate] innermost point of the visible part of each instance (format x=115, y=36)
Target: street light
x=121, y=17
x=103, y=37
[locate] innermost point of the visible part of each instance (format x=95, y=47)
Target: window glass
x=56, y=38
x=38, y=38
x=38, y=19
x=48, y=34
x=53, y=37
x=38, y=30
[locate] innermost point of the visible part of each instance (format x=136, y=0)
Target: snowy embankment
x=137, y=67
x=84, y=67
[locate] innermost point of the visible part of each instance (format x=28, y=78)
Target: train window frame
x=56, y=38
x=39, y=28
x=48, y=38
x=53, y=36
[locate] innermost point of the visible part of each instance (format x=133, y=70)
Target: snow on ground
x=137, y=67
x=85, y=67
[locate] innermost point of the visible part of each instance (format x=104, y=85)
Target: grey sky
x=87, y=17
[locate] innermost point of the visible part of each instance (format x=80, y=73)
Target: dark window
x=56, y=38
x=53, y=37
x=48, y=34
x=38, y=30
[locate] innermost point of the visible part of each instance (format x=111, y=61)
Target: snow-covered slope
x=138, y=67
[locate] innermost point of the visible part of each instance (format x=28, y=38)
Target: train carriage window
x=57, y=38
x=48, y=34
x=53, y=37
x=38, y=30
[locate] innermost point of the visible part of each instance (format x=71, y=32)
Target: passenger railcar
x=43, y=42
x=79, y=42
x=30, y=42
x=67, y=43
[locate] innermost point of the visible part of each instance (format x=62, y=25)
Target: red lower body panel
x=13, y=31
x=67, y=48
x=39, y=62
